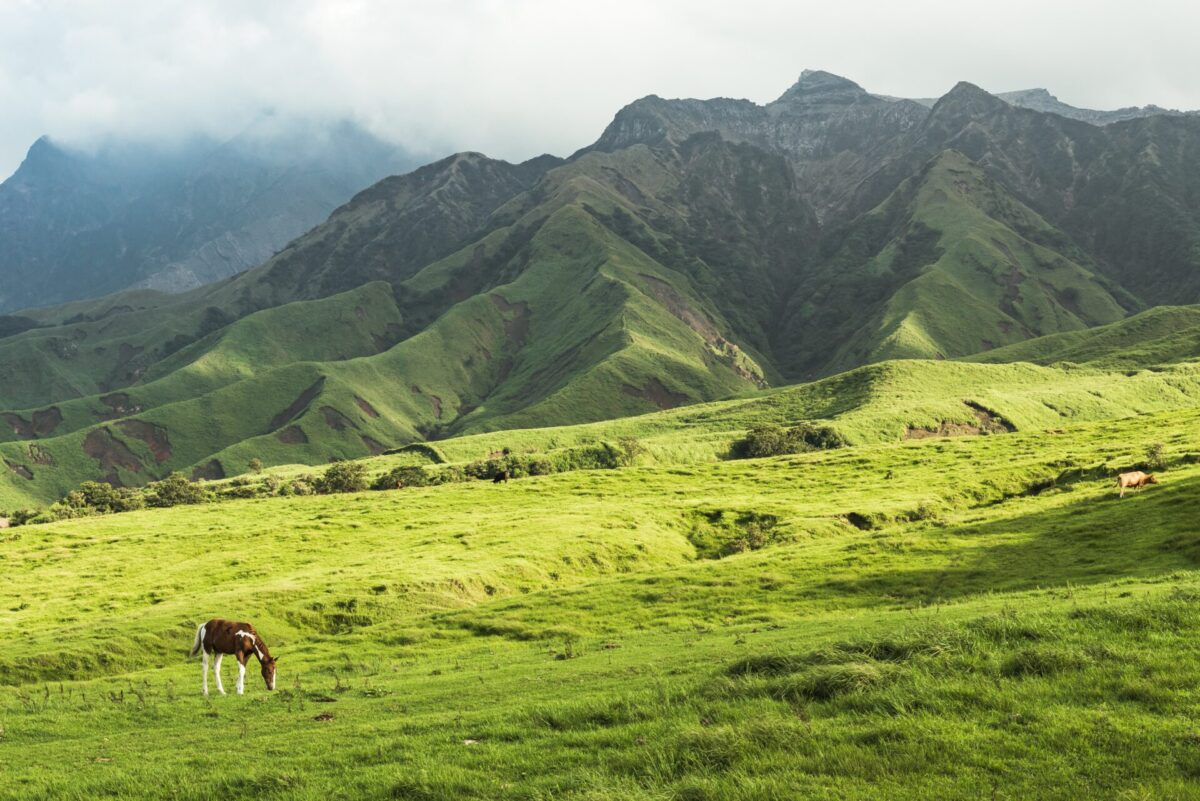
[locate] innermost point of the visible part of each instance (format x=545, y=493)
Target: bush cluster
x=92, y=497
x=344, y=476
x=591, y=456
x=775, y=440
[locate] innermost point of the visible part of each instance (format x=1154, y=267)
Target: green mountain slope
x=1162, y=335
x=949, y=265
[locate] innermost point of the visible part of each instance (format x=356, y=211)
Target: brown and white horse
x=222, y=637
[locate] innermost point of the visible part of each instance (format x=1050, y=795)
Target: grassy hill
x=966, y=616
x=1162, y=335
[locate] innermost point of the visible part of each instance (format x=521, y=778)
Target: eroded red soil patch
x=154, y=436
x=46, y=420
x=119, y=405
x=367, y=408
x=298, y=406
x=20, y=469
x=292, y=435
x=373, y=445
x=111, y=453
x=335, y=419
x=20, y=426
x=989, y=423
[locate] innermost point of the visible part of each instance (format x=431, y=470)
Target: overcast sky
x=522, y=77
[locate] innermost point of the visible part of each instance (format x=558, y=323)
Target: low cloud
x=520, y=77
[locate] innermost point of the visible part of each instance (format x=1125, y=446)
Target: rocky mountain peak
x=967, y=100
x=818, y=86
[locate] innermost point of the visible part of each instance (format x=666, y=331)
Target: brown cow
x=1135, y=480
x=222, y=637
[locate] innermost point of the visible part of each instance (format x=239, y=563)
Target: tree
x=343, y=477
x=175, y=490
x=399, y=477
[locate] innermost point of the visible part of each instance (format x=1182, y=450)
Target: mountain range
x=77, y=223
x=697, y=249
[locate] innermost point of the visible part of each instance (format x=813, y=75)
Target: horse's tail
x=199, y=642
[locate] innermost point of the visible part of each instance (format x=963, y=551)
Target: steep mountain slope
x=949, y=265
x=1128, y=193
x=77, y=225
x=567, y=314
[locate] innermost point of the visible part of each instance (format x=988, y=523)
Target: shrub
x=21, y=517
x=342, y=477
x=255, y=465
x=1156, y=458
x=105, y=498
x=630, y=448
x=774, y=440
x=175, y=490
x=768, y=440
x=304, y=485
x=406, y=476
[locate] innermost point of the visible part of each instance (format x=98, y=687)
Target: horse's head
x=268, y=672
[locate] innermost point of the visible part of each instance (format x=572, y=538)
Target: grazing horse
x=1135, y=480
x=222, y=637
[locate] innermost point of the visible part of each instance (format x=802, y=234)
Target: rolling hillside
x=844, y=623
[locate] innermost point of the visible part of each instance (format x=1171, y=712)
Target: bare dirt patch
x=373, y=445
x=665, y=294
x=335, y=419
x=210, y=470
x=46, y=420
x=40, y=455
x=392, y=333
x=656, y=393
x=435, y=403
x=111, y=453
x=20, y=426
x=367, y=408
x=989, y=423
x=516, y=325
x=292, y=435
x=154, y=436
x=298, y=406
x=119, y=405
x=20, y=469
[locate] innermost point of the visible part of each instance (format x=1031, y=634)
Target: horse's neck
x=261, y=650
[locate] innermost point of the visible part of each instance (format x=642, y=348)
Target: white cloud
x=521, y=77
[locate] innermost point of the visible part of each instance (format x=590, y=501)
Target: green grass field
x=971, y=617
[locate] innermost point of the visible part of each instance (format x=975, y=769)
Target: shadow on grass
x=1099, y=538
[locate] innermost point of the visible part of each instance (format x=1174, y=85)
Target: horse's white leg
x=204, y=657
x=241, y=678
x=217, y=673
